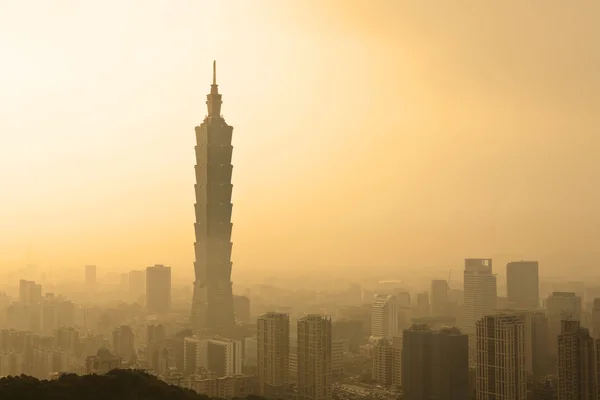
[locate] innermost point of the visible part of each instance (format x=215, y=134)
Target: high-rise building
x=576, y=363
x=416, y=362
x=137, y=285
x=67, y=339
x=383, y=362
x=314, y=358
x=212, y=305
x=539, y=345
x=384, y=316
x=156, y=333
x=224, y=357
x=241, y=306
x=337, y=357
x=439, y=298
x=397, y=361
x=293, y=366
x=479, y=292
x=273, y=334
x=501, y=369
x=49, y=315
x=158, y=289
x=90, y=278
x=403, y=298
x=560, y=306
x=123, y=342
x=435, y=364
x=194, y=354
x=422, y=306
x=522, y=284
x=449, y=364
x=30, y=293
x=250, y=364
x=596, y=318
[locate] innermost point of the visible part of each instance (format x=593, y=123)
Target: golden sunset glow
x=379, y=132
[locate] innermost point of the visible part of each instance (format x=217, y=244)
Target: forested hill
x=116, y=385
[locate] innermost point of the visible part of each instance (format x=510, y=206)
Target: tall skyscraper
x=596, y=318
x=123, y=342
x=273, y=334
x=501, y=369
x=560, y=306
x=30, y=293
x=439, y=298
x=90, y=278
x=480, y=292
x=314, y=358
x=449, y=364
x=212, y=305
x=158, y=289
x=384, y=316
x=435, y=364
x=576, y=363
x=522, y=284
x=416, y=362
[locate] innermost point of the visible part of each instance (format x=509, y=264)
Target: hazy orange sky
x=365, y=132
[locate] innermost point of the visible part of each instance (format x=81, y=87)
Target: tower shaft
x=212, y=307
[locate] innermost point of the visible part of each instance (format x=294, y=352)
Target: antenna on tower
x=214, y=72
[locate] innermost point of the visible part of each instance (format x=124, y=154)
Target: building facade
x=273, y=335
x=560, y=306
x=123, y=343
x=314, y=358
x=158, y=289
x=383, y=362
x=224, y=357
x=501, y=369
x=384, y=316
x=522, y=284
x=435, y=363
x=439, y=298
x=576, y=363
x=480, y=293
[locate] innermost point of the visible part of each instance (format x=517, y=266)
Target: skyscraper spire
x=213, y=100
x=214, y=72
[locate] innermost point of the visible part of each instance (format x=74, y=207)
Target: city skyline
x=414, y=207
x=112, y=159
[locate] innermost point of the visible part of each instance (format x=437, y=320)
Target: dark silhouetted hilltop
x=115, y=385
